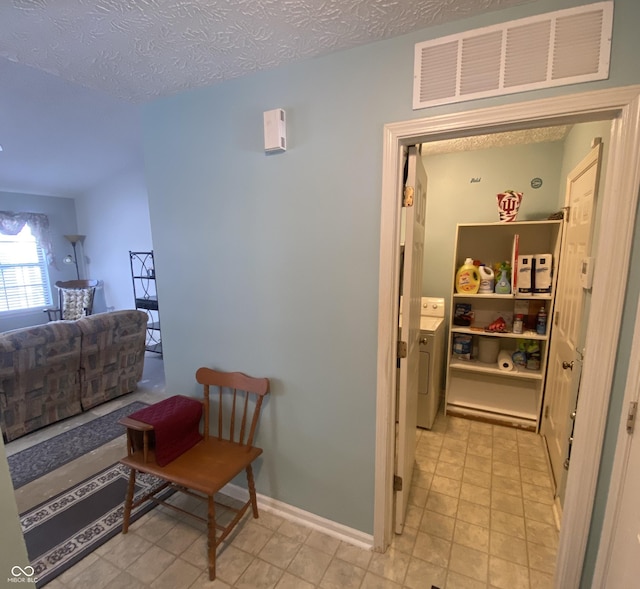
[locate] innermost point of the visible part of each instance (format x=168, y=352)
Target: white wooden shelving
x=485, y=391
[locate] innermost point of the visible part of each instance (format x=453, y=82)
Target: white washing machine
x=431, y=360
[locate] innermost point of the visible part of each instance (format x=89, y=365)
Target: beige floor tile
x=481, y=450
x=96, y=576
x=454, y=443
x=541, y=533
x=126, y=549
x=342, y=575
x=507, y=523
x=178, y=575
x=280, y=550
x=443, y=504
x=426, y=463
x=80, y=566
x=405, y=542
x=202, y=582
x=418, y=496
x=231, y=562
x=504, y=469
x=432, y=549
x=458, y=581
x=540, y=580
x=508, y=503
x=475, y=494
x=478, y=463
x=446, y=486
x=323, y=542
x=154, y=526
x=372, y=581
x=505, y=485
x=481, y=427
x=269, y=520
x=477, y=477
x=428, y=449
x=422, y=574
x=508, y=548
x=391, y=565
x=413, y=516
x=124, y=581
x=437, y=524
x=289, y=581
x=251, y=537
x=503, y=455
x=421, y=478
x=259, y=575
x=293, y=530
x=151, y=564
x=474, y=513
x=542, y=558
x=537, y=493
x=310, y=564
x=535, y=477
x=479, y=439
x=534, y=463
x=449, y=470
x=539, y=511
x=507, y=575
x=472, y=536
x=358, y=556
x=504, y=432
x=469, y=562
x=179, y=538
x=452, y=456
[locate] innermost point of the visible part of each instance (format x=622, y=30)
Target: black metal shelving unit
x=143, y=276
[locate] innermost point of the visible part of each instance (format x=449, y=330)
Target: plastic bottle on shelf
x=518, y=324
x=467, y=278
x=541, y=322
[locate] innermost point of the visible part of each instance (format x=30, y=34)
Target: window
x=24, y=280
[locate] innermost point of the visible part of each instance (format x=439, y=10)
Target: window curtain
x=13, y=223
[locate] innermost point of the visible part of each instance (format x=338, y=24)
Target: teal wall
x=269, y=264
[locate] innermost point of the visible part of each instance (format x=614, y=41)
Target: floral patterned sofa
x=59, y=369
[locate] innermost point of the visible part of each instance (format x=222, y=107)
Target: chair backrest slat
x=234, y=383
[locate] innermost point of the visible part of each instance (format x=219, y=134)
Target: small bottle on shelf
x=518, y=324
x=541, y=322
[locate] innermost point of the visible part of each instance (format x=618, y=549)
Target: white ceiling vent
x=553, y=49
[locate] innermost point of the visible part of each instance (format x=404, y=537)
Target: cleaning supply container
x=467, y=278
x=487, y=278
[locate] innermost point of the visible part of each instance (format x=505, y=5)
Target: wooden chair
x=207, y=467
x=75, y=299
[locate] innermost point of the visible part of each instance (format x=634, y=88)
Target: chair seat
x=207, y=467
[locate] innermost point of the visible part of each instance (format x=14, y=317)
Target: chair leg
x=128, y=502
x=252, y=492
x=211, y=537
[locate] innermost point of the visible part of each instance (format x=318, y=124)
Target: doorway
x=619, y=204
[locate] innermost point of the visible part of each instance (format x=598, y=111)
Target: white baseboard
x=299, y=516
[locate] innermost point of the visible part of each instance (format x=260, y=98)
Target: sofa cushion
x=39, y=376
x=112, y=355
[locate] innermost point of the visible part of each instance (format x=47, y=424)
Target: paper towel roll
x=504, y=360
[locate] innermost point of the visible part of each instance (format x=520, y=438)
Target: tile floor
x=480, y=516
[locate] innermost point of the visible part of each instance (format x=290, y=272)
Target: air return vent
x=553, y=49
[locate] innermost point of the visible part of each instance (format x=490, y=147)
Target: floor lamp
x=74, y=240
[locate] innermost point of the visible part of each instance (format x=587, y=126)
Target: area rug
x=63, y=530
x=34, y=462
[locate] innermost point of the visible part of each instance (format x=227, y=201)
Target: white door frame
x=619, y=199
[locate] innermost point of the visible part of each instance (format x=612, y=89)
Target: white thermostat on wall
x=275, y=130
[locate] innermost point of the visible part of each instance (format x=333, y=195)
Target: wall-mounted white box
x=275, y=130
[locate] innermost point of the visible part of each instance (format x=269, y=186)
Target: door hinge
x=397, y=483
x=567, y=212
x=546, y=411
x=408, y=196
x=402, y=349
x=631, y=417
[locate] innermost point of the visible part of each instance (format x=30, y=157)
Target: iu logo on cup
x=508, y=205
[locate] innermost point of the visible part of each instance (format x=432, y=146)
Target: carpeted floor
x=64, y=529
x=38, y=460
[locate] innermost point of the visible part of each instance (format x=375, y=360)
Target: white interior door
x=618, y=564
x=415, y=199
x=565, y=357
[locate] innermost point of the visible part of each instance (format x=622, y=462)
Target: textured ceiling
x=140, y=49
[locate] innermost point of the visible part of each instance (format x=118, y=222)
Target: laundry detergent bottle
x=467, y=278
